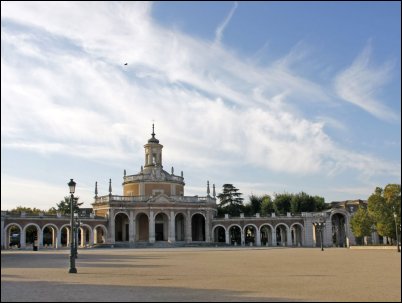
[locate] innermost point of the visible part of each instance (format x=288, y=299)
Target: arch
x=100, y=236
x=338, y=221
x=65, y=234
x=219, y=233
x=250, y=234
x=266, y=231
x=50, y=238
x=198, y=227
x=32, y=237
x=281, y=230
x=161, y=226
x=13, y=239
x=235, y=234
x=142, y=227
x=180, y=226
x=297, y=234
x=121, y=223
x=85, y=236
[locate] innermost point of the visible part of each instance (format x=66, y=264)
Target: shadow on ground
x=67, y=292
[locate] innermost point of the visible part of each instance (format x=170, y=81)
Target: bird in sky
x=125, y=63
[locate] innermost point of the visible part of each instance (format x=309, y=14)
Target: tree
x=282, y=203
x=381, y=205
x=230, y=200
x=361, y=223
x=28, y=210
x=267, y=206
x=255, y=204
x=64, y=206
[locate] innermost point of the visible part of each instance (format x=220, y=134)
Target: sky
x=271, y=97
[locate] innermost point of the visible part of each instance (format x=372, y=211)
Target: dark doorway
x=159, y=231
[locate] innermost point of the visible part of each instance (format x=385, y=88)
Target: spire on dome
x=153, y=139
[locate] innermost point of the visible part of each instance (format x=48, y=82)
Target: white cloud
x=360, y=83
x=221, y=28
x=212, y=110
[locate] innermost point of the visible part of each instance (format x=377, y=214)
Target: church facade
x=154, y=211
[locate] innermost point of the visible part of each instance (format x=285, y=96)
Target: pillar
x=172, y=229
x=288, y=236
x=258, y=235
x=188, y=227
x=151, y=227
x=131, y=234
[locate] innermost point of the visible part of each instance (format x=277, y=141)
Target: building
x=154, y=211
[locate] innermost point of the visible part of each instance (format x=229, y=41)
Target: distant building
x=153, y=211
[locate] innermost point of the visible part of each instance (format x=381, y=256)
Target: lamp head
x=71, y=185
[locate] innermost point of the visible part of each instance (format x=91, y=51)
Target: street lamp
x=72, y=270
x=397, y=234
x=320, y=225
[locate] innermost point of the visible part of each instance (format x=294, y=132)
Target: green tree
x=27, y=210
x=255, y=204
x=267, y=206
x=361, y=223
x=64, y=206
x=282, y=203
x=381, y=205
x=320, y=203
x=230, y=200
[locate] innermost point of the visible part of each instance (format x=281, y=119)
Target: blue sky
x=268, y=96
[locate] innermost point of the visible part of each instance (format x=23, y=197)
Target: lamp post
x=397, y=234
x=72, y=270
x=320, y=225
x=77, y=225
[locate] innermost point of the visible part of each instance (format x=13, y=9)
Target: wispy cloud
x=77, y=98
x=221, y=28
x=360, y=83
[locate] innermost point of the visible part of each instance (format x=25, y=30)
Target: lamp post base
x=72, y=271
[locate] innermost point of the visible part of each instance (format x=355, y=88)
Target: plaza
x=203, y=274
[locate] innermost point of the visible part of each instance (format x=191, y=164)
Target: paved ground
x=203, y=274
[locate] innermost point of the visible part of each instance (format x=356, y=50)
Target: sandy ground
x=203, y=274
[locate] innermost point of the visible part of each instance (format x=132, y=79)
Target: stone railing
x=141, y=177
x=185, y=199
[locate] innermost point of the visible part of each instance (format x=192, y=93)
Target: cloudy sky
x=269, y=96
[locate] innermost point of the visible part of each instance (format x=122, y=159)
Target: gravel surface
x=202, y=274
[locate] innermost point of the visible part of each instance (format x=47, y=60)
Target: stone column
x=22, y=239
x=91, y=237
x=258, y=235
x=172, y=229
x=207, y=227
x=328, y=233
x=151, y=227
x=188, y=227
x=58, y=239
x=40, y=238
x=288, y=236
x=227, y=238
x=111, y=229
x=274, y=237
x=131, y=234
x=83, y=238
x=242, y=242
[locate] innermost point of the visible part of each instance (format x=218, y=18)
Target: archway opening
x=235, y=235
x=281, y=235
x=161, y=227
x=338, y=230
x=121, y=227
x=219, y=234
x=249, y=235
x=142, y=228
x=266, y=235
x=198, y=227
